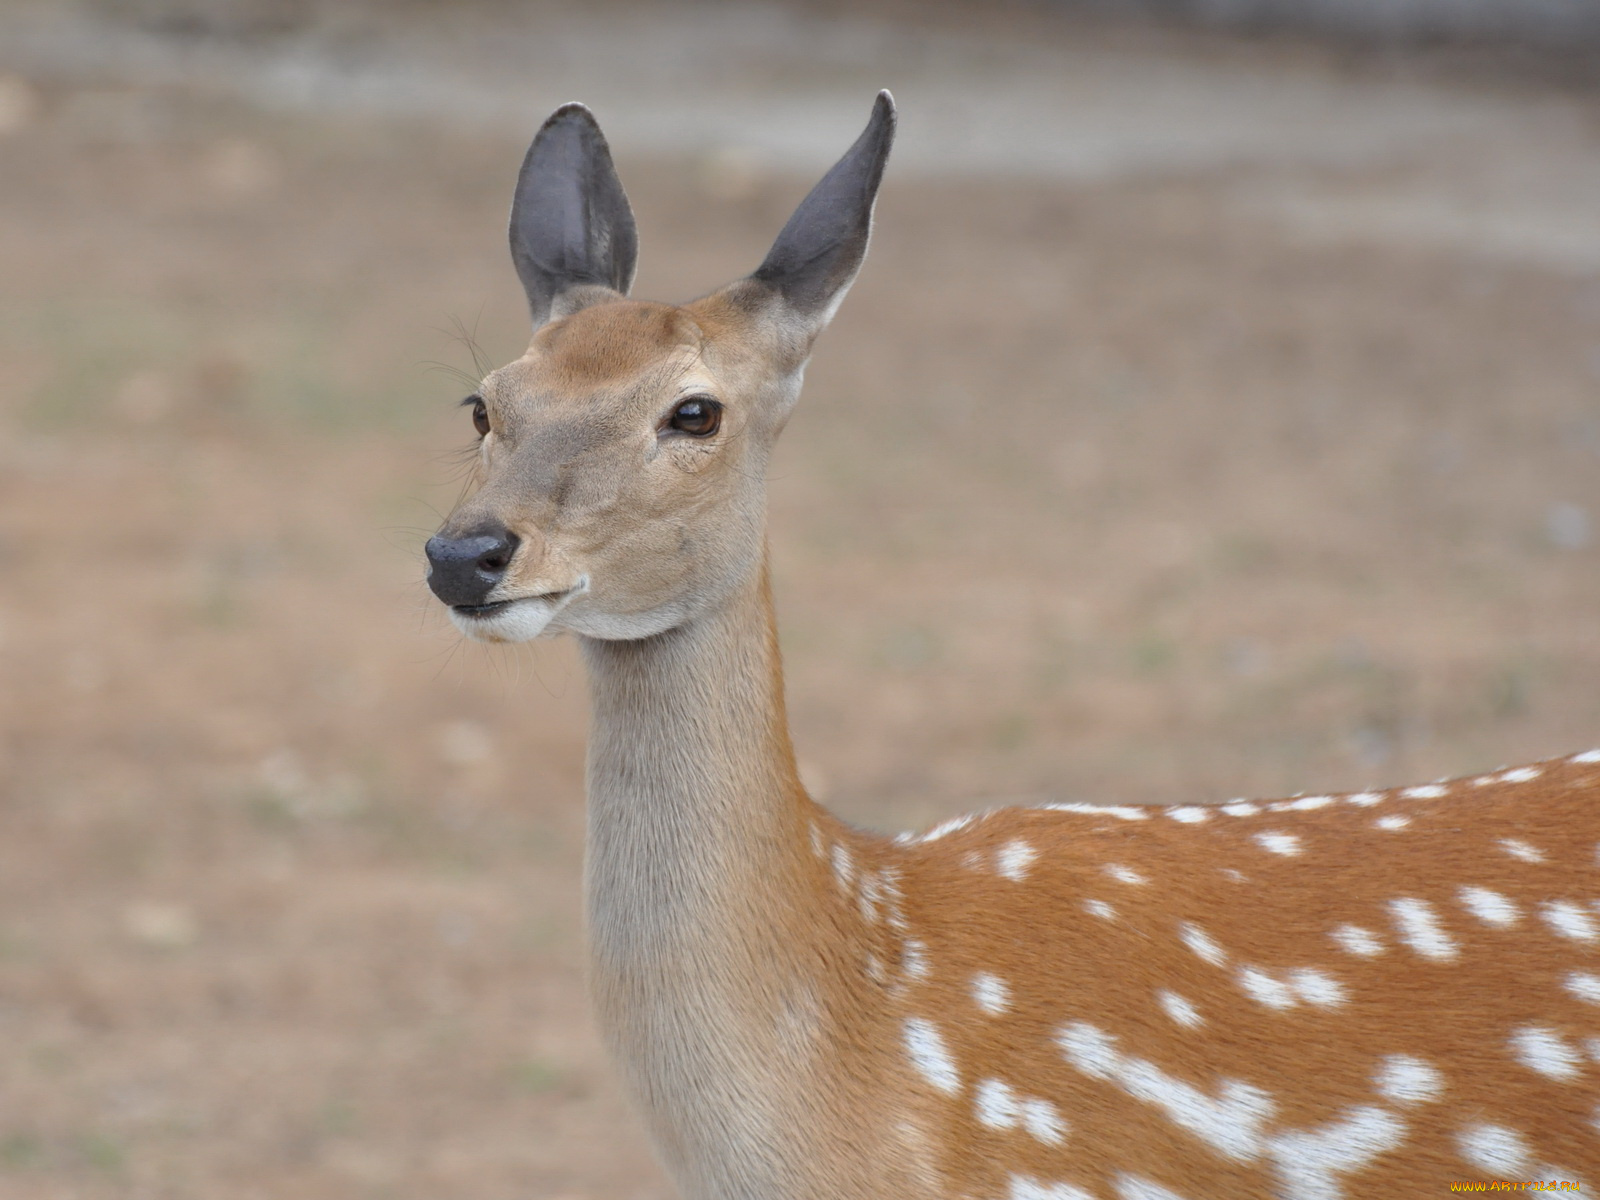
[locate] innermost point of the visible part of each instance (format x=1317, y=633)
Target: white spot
x=1302, y=804
x=1125, y=874
x=1483, y=781
x=1264, y=989
x=1043, y=1121
x=995, y=1104
x=1426, y=791
x=1404, y=1079
x=1122, y=812
x=844, y=867
x=990, y=993
x=1494, y=1149
x=947, y=827
x=1520, y=775
x=1420, y=929
x=1355, y=940
x=1391, y=822
x=1277, y=842
x=928, y=1054
x=1317, y=987
x=1200, y=942
x=1591, y=1047
x=1584, y=986
x=1545, y=1051
x=1235, y=875
x=1588, y=756
x=1013, y=859
x=1365, y=799
x=1179, y=1009
x=1025, y=1187
x=1230, y=1123
x=1309, y=1162
x=1569, y=920
x=1135, y=1187
x=1099, y=908
x=914, y=959
x=1521, y=849
x=1240, y=808
x=869, y=896
x=1189, y=814
x=1489, y=907
x=875, y=969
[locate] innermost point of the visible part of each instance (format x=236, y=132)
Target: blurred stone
x=237, y=169
x=19, y=104
x=1568, y=526
x=164, y=926
x=145, y=397
x=465, y=744
x=730, y=174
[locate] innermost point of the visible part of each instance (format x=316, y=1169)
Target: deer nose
x=463, y=570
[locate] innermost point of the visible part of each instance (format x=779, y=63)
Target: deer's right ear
x=571, y=225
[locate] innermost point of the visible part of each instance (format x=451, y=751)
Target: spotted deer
x=1339, y=996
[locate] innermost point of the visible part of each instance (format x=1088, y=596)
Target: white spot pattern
x=1365, y=799
x=1569, y=920
x=1426, y=791
x=1405, y=1079
x=1231, y=1123
x=1520, y=849
x=1584, y=986
x=1588, y=756
x=914, y=959
x=1189, y=814
x=1264, y=989
x=990, y=993
x=1520, y=775
x=1490, y=907
x=1547, y=1052
x=1355, y=940
x=1099, y=908
x=1136, y=1187
x=844, y=867
x=1179, y=1009
x=995, y=1104
x=1419, y=928
x=1240, y=808
x=1025, y=1187
x=1302, y=804
x=1310, y=1161
x=1494, y=1149
x=1123, y=812
x=1043, y=1121
x=1317, y=987
x=1391, y=822
x=1014, y=858
x=1125, y=874
x=1200, y=942
x=1277, y=842
x=948, y=827
x=928, y=1055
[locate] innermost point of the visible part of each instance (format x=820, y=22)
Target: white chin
x=519, y=621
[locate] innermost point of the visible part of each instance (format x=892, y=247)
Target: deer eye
x=698, y=416
x=480, y=414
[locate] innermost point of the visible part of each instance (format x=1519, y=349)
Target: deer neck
x=703, y=892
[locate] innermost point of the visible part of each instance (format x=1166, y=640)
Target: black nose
x=462, y=570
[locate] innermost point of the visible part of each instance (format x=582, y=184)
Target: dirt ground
x=1109, y=490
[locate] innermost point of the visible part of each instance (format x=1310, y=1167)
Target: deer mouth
x=519, y=619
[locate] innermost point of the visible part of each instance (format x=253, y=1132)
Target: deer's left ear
x=816, y=257
x=571, y=225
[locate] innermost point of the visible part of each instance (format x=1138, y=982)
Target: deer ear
x=571, y=225
x=816, y=257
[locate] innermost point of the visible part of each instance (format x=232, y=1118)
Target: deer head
x=619, y=485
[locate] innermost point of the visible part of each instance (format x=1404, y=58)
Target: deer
x=1325, y=997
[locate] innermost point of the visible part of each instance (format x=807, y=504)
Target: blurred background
x=1218, y=413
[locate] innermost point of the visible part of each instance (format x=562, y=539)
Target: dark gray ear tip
x=883, y=108
x=572, y=113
